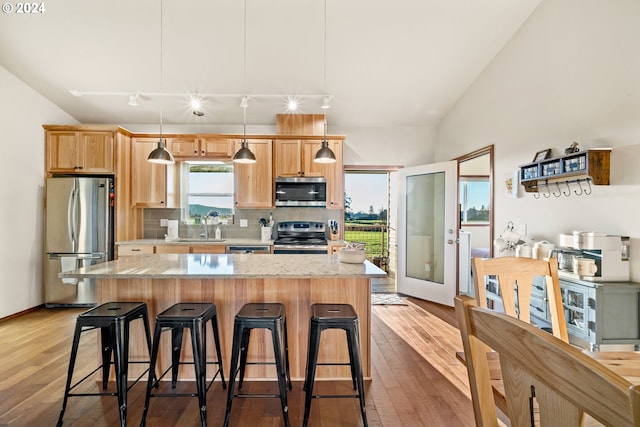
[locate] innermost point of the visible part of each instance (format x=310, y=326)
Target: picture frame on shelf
x=541, y=155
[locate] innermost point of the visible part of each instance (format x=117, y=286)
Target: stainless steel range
x=300, y=237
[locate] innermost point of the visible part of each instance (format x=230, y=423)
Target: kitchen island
x=232, y=280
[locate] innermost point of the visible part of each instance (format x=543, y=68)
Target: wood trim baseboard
x=20, y=313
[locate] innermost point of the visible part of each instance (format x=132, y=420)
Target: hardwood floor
x=416, y=379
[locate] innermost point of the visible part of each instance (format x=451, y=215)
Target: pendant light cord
x=161, y=63
x=324, y=83
x=244, y=77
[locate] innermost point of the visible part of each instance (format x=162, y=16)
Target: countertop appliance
x=301, y=191
x=300, y=237
x=78, y=233
x=611, y=255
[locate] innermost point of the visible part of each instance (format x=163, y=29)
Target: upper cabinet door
x=254, y=181
x=97, y=151
x=62, y=151
x=217, y=148
x=80, y=151
x=311, y=168
x=288, y=157
x=333, y=172
x=214, y=148
x=148, y=180
x=185, y=147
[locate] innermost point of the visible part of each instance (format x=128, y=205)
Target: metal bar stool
x=260, y=316
x=113, y=319
x=334, y=316
x=176, y=318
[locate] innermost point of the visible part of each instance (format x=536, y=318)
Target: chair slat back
x=563, y=380
x=515, y=276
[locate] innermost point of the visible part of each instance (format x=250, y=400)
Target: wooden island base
x=229, y=295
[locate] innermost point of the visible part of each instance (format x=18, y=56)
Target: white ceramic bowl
x=352, y=256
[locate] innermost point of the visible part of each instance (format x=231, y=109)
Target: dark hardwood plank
x=414, y=381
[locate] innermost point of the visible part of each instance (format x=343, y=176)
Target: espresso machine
x=610, y=253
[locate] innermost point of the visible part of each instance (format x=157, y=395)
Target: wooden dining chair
x=515, y=279
x=563, y=381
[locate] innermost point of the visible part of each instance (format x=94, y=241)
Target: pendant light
x=161, y=155
x=244, y=155
x=324, y=154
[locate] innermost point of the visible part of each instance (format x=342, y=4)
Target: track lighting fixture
x=326, y=102
x=133, y=100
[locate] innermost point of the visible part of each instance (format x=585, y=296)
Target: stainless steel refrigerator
x=78, y=233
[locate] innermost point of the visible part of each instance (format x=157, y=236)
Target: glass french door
x=427, y=233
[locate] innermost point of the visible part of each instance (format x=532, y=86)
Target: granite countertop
x=226, y=266
x=222, y=242
x=196, y=241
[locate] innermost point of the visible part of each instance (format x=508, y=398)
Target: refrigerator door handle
x=70, y=211
x=75, y=215
x=57, y=255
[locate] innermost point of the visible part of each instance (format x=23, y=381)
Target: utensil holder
x=265, y=234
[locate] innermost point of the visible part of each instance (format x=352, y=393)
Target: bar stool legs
x=260, y=316
x=113, y=319
x=193, y=316
x=334, y=316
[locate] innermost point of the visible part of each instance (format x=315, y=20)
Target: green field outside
x=373, y=239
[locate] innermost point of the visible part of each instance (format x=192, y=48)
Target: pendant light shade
x=161, y=155
x=324, y=154
x=244, y=155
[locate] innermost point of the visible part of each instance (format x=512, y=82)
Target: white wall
x=571, y=73
x=23, y=113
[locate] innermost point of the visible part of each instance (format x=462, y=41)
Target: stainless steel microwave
x=301, y=191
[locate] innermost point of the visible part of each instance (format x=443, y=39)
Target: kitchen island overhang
x=232, y=280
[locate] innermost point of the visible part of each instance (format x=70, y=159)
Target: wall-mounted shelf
x=591, y=165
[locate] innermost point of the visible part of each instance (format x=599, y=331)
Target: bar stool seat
x=260, y=316
x=334, y=316
x=113, y=319
x=193, y=316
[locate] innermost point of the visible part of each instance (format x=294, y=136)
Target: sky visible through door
x=366, y=190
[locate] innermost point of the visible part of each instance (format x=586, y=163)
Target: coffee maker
x=610, y=253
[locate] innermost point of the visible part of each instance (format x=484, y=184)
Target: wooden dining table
x=624, y=363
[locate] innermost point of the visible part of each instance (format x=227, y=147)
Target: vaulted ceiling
x=383, y=62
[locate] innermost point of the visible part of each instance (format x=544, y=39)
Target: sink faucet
x=203, y=226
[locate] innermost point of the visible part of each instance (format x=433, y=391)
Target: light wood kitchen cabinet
x=133, y=250
x=148, y=180
x=294, y=158
x=172, y=249
x=218, y=148
x=208, y=249
x=79, y=151
x=331, y=171
x=254, y=181
x=190, y=249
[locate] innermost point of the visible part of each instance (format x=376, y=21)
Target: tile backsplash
x=153, y=229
